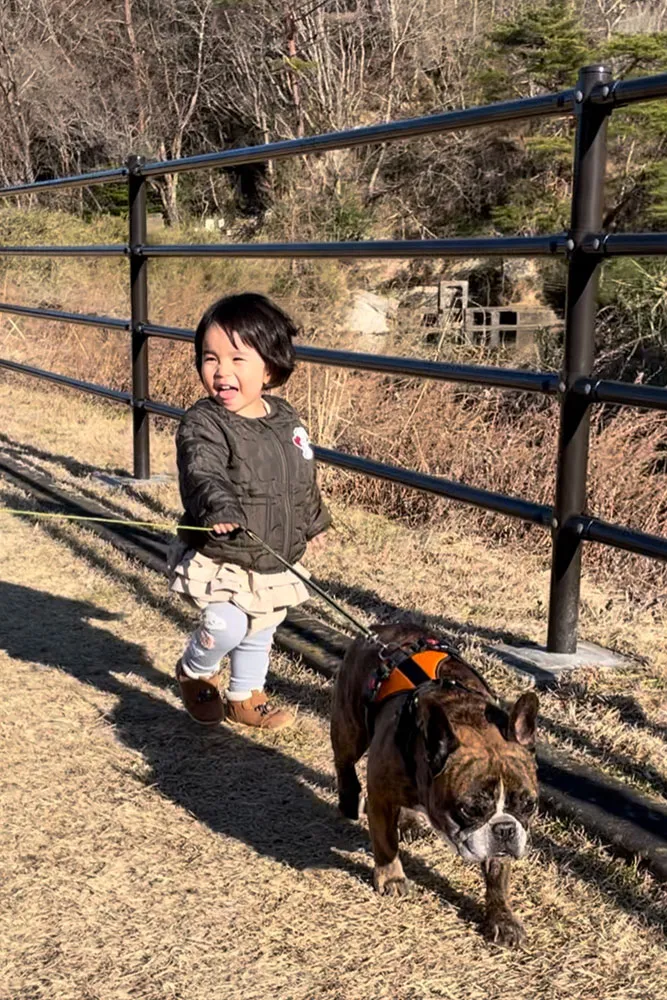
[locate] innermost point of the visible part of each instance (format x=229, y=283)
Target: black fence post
x=139, y=305
x=582, y=288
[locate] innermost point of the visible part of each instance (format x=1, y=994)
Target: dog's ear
x=439, y=738
x=523, y=716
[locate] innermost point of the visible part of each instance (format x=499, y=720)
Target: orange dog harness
x=415, y=669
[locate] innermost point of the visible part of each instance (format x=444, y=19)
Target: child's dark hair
x=259, y=324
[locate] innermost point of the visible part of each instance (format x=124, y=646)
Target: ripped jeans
x=224, y=631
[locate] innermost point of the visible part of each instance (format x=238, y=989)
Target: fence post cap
x=598, y=68
x=134, y=162
x=591, y=77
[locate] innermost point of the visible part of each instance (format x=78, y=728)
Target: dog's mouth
x=485, y=842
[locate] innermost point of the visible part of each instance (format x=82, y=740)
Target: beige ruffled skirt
x=264, y=597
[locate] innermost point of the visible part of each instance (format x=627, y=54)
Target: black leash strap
x=390, y=656
x=313, y=586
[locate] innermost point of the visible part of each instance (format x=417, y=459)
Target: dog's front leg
x=500, y=924
x=388, y=876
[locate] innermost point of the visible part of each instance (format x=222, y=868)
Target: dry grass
x=146, y=859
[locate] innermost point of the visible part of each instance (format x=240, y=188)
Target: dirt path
x=144, y=858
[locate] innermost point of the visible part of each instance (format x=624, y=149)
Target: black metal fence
x=583, y=247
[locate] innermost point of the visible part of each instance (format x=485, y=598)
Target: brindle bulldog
x=447, y=750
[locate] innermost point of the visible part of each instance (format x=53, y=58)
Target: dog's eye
x=471, y=812
x=462, y=818
x=525, y=803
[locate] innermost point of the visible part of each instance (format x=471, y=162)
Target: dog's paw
x=389, y=880
x=504, y=929
x=413, y=826
x=396, y=887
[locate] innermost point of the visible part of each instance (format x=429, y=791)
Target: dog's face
x=480, y=776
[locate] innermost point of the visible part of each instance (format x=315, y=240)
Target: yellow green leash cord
x=156, y=525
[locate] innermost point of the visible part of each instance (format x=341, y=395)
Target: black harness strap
x=414, y=673
x=401, y=657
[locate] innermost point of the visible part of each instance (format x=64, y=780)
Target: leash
x=390, y=655
x=100, y=520
x=156, y=525
x=313, y=586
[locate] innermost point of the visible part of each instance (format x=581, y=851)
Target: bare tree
x=16, y=79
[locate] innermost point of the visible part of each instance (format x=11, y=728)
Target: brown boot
x=258, y=711
x=201, y=697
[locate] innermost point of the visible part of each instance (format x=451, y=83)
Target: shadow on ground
x=382, y=610
x=630, y=711
x=207, y=772
x=239, y=787
x=31, y=457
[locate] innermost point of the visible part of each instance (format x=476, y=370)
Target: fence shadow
x=629, y=767
x=381, y=609
x=632, y=714
x=19, y=452
x=599, y=872
x=209, y=772
x=630, y=711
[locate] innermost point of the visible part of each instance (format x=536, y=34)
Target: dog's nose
x=504, y=831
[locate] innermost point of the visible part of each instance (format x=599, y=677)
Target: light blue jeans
x=224, y=631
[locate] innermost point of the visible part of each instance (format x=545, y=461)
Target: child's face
x=233, y=373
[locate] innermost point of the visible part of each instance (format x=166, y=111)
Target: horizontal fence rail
x=511, y=506
x=161, y=409
x=624, y=92
x=117, y=174
x=592, y=529
x=410, y=128
x=168, y=332
x=96, y=250
x=498, y=246
x=72, y=383
x=626, y=244
x=501, y=378
x=67, y=317
x=650, y=397
x=583, y=247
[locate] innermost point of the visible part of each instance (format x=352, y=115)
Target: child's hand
x=224, y=529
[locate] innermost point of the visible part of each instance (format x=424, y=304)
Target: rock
x=370, y=343
x=369, y=313
x=524, y=278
